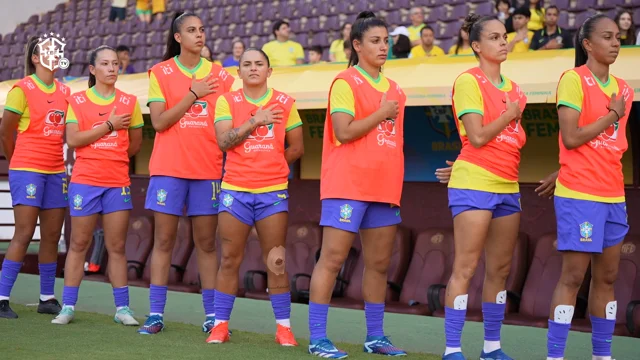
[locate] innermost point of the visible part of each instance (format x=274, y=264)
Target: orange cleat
x=284, y=336
x=219, y=334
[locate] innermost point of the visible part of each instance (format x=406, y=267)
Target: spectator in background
x=282, y=51
x=347, y=49
x=336, y=51
x=624, y=19
x=520, y=39
x=417, y=23
x=144, y=9
x=504, y=10
x=552, y=36
x=118, y=10
x=426, y=47
x=236, y=51
x=536, y=21
x=126, y=67
x=315, y=55
x=462, y=46
x=401, y=43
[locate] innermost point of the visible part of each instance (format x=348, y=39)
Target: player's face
x=427, y=37
x=254, y=69
x=374, y=47
x=191, y=36
x=604, y=43
x=106, y=68
x=625, y=21
x=493, y=42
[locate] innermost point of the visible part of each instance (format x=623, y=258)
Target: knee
x=605, y=277
x=498, y=271
x=163, y=243
x=572, y=278
x=79, y=246
x=230, y=261
x=378, y=265
x=206, y=244
x=117, y=249
x=331, y=260
x=464, y=271
x=23, y=234
x=50, y=235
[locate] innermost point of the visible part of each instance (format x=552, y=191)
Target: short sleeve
x=267, y=49
x=299, y=51
x=341, y=98
x=71, y=115
x=437, y=51
x=415, y=52
x=223, y=110
x=294, y=120
x=16, y=101
x=467, y=97
x=136, y=118
x=336, y=46
x=570, y=91
x=155, y=93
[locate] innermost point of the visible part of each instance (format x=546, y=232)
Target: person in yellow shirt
x=537, y=14
x=282, y=51
x=417, y=24
x=520, y=39
x=426, y=47
x=336, y=51
x=462, y=47
x=315, y=55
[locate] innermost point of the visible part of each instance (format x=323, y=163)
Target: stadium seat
x=543, y=275
x=138, y=246
x=302, y=249
x=252, y=265
x=191, y=278
x=627, y=292
x=432, y=255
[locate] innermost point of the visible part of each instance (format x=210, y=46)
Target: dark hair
x=346, y=45
x=365, y=21
x=402, y=47
x=92, y=61
x=527, y=4
x=258, y=50
x=173, y=47
x=277, y=25
x=316, y=48
x=503, y=1
x=553, y=7
x=30, y=50
x=473, y=25
x=631, y=33
x=236, y=42
x=522, y=10
x=426, y=27
x=122, y=48
x=584, y=32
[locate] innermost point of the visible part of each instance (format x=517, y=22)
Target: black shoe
x=51, y=306
x=5, y=310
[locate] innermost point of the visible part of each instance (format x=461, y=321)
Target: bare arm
x=347, y=129
x=478, y=134
x=135, y=141
x=574, y=136
x=162, y=118
x=295, y=150
x=8, y=127
x=332, y=57
x=229, y=137
x=78, y=139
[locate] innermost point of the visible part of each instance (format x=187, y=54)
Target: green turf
x=33, y=248
x=96, y=336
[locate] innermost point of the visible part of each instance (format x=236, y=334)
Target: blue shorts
x=461, y=200
x=85, y=200
x=170, y=195
x=353, y=215
x=251, y=208
x=44, y=191
x=589, y=226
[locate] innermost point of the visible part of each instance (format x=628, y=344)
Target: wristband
x=194, y=93
x=110, y=125
x=615, y=112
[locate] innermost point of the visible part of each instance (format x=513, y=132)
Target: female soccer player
x=35, y=108
x=484, y=193
x=361, y=184
x=593, y=108
x=104, y=125
x=186, y=164
x=250, y=130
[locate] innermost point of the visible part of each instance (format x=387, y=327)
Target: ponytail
x=30, y=49
x=173, y=46
x=583, y=33
x=92, y=62
x=365, y=21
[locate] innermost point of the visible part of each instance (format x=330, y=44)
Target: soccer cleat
x=153, y=325
x=5, y=310
x=284, y=336
x=454, y=356
x=209, y=323
x=494, y=355
x=324, y=348
x=219, y=334
x=125, y=317
x=66, y=316
x=51, y=306
x=381, y=345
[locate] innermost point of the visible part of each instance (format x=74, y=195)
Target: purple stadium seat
x=4, y=50
x=393, y=17
x=320, y=39
x=76, y=70
x=285, y=10
x=449, y=29
x=17, y=73
x=45, y=18
x=84, y=44
x=582, y=17
x=485, y=8
x=636, y=15
x=201, y=4
x=250, y=14
x=457, y=12
x=138, y=39
x=361, y=5
x=16, y=49
x=77, y=57
x=303, y=39
x=111, y=41
x=238, y=30
x=436, y=14
x=401, y=4
x=563, y=19
x=156, y=38
x=581, y=5
x=608, y=4
x=222, y=32
x=157, y=50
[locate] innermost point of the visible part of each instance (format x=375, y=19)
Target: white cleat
x=125, y=317
x=66, y=316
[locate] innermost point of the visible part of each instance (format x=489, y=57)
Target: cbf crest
x=161, y=196
x=51, y=50
x=345, y=213
x=227, y=200
x=586, y=231
x=77, y=202
x=31, y=191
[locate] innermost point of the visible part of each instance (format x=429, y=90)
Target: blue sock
x=601, y=335
x=557, y=339
x=374, y=314
x=318, y=320
x=281, y=304
x=8, y=276
x=208, y=297
x=47, y=278
x=223, y=305
x=453, y=324
x=157, y=299
x=121, y=296
x=493, y=314
x=70, y=295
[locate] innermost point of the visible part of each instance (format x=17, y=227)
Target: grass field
x=96, y=336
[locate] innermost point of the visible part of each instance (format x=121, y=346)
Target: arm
x=299, y=54
x=8, y=127
x=135, y=141
x=573, y=135
x=478, y=134
x=163, y=118
x=347, y=129
x=229, y=137
x=77, y=138
x=294, y=137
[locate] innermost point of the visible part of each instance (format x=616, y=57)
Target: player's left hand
x=444, y=174
x=547, y=186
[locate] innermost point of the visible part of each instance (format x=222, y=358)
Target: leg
x=51, y=222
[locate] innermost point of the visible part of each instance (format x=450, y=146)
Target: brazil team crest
x=31, y=191
x=161, y=196
x=345, y=213
x=227, y=200
x=586, y=231
x=77, y=202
